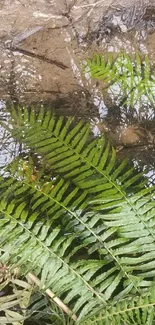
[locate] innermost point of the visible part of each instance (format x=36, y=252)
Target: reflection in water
x=129, y=120
x=9, y=148
x=129, y=82
x=29, y=77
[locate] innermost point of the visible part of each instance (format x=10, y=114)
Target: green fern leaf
x=133, y=310
x=129, y=81
x=88, y=206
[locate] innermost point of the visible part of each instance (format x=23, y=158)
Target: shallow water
x=41, y=55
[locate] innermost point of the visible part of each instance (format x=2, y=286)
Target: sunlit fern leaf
x=29, y=233
x=46, y=246
x=136, y=310
x=129, y=81
x=89, y=207
x=91, y=164
x=102, y=68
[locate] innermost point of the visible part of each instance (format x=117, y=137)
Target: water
x=42, y=54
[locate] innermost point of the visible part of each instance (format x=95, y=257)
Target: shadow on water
x=53, y=75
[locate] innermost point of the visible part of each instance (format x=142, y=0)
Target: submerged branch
x=40, y=57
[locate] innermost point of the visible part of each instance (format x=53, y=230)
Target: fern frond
x=69, y=152
x=133, y=310
x=102, y=69
x=89, y=205
x=42, y=238
x=43, y=245
x=129, y=81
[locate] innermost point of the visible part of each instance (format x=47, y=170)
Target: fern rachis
x=87, y=205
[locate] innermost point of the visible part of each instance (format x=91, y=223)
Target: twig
x=36, y=280
x=38, y=56
x=43, y=91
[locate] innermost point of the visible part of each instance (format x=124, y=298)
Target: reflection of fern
x=90, y=204
x=129, y=81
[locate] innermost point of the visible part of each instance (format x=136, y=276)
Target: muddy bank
x=41, y=49
x=43, y=45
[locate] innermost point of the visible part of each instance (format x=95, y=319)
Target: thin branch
x=36, y=280
x=38, y=56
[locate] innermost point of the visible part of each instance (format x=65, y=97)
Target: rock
x=131, y=135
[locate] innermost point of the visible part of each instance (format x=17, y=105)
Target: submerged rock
x=127, y=135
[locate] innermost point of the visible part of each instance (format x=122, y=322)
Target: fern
x=68, y=151
x=132, y=311
x=130, y=82
x=90, y=204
